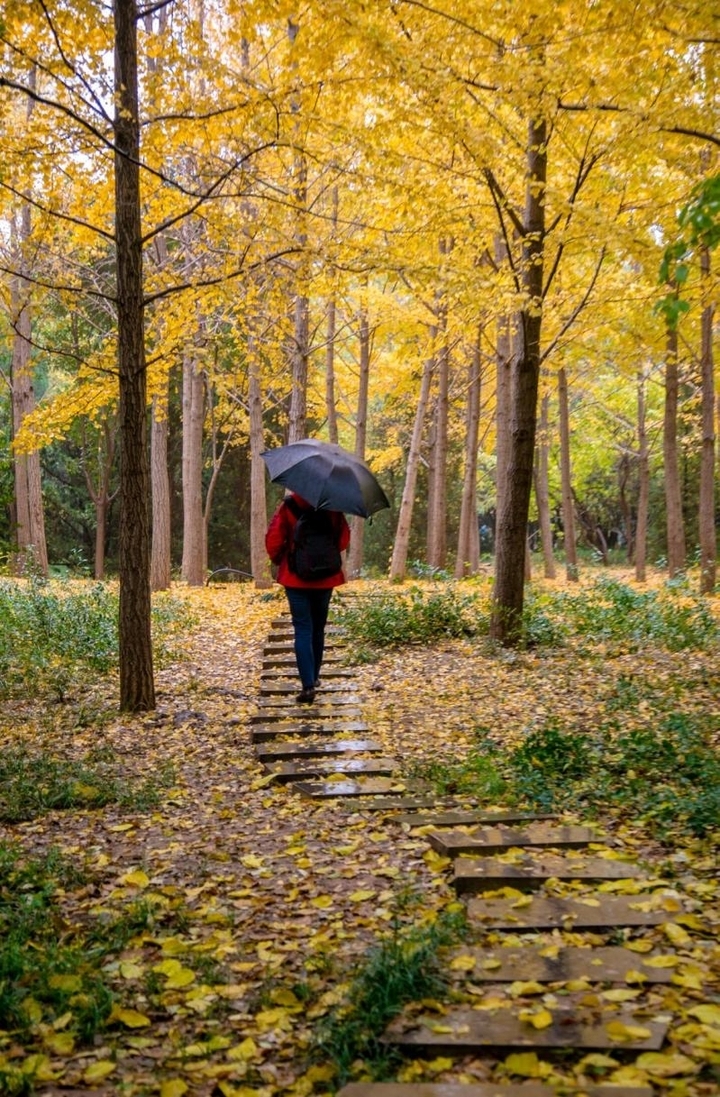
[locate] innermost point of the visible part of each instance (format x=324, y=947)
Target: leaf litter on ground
x=255, y=905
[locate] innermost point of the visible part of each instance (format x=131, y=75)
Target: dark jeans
x=309, y=612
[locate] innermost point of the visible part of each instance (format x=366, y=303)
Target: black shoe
x=305, y=696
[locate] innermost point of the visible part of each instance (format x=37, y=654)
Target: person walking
x=304, y=542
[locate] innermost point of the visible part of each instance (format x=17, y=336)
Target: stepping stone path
x=536, y=994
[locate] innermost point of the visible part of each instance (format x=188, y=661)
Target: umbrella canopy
x=327, y=476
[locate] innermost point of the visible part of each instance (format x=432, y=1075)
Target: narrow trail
x=567, y=957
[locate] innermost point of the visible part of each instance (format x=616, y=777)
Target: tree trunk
x=503, y=379
x=193, y=421
x=137, y=687
x=30, y=518
x=673, y=493
x=160, y=563
x=508, y=596
x=708, y=540
x=437, y=487
x=568, y=504
x=330, y=408
x=398, y=562
x=355, y=552
x=542, y=488
x=643, y=485
x=467, y=559
x=259, y=563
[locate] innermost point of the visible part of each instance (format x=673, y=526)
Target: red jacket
x=279, y=537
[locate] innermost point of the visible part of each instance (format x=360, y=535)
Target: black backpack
x=314, y=552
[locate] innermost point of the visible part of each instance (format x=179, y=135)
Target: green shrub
x=32, y=784
x=52, y=637
x=402, y=968
x=410, y=617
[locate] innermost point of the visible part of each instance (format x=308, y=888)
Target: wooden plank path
x=506, y=867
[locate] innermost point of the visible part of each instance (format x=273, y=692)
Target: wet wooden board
x=337, y=700
x=483, y=873
x=280, y=674
x=286, y=623
x=598, y=912
x=597, y=965
x=317, y=712
x=260, y=734
x=486, y=1089
x=287, y=659
x=275, y=647
x=477, y=1030
x=330, y=790
x=290, y=687
x=387, y=803
x=496, y=839
x=322, y=767
x=467, y=818
x=319, y=750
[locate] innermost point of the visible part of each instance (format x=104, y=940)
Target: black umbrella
x=327, y=476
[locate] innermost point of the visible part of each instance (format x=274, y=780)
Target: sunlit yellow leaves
x=97, y=1071
x=677, y=934
x=245, y=1051
x=322, y=902
x=527, y=1065
x=131, y=1018
x=137, y=878
x=625, y=1033
x=59, y=1043
x=176, y=975
x=539, y=1019
x=69, y=984
x=252, y=860
x=665, y=1064
x=130, y=970
x=520, y=989
x=463, y=963
x=708, y=1014
x=173, y=1087
x=279, y=1019
x=361, y=895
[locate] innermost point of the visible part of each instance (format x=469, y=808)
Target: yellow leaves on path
x=98, y=1071
x=538, y=1018
x=175, y=974
x=625, y=1033
x=131, y=1018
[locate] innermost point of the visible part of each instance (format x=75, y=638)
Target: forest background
x=431, y=233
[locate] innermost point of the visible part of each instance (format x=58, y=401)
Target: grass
x=54, y=636
x=402, y=968
x=32, y=784
x=666, y=775
x=607, y=611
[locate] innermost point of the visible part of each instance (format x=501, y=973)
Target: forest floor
x=254, y=903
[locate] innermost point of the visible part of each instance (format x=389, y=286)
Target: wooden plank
x=484, y=873
x=321, y=767
x=598, y=911
x=337, y=700
x=497, y=839
x=597, y=965
x=467, y=818
x=279, y=674
x=260, y=734
x=327, y=790
x=292, y=713
x=290, y=687
x=287, y=659
x=487, y=1089
x=473, y=1031
x=319, y=750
